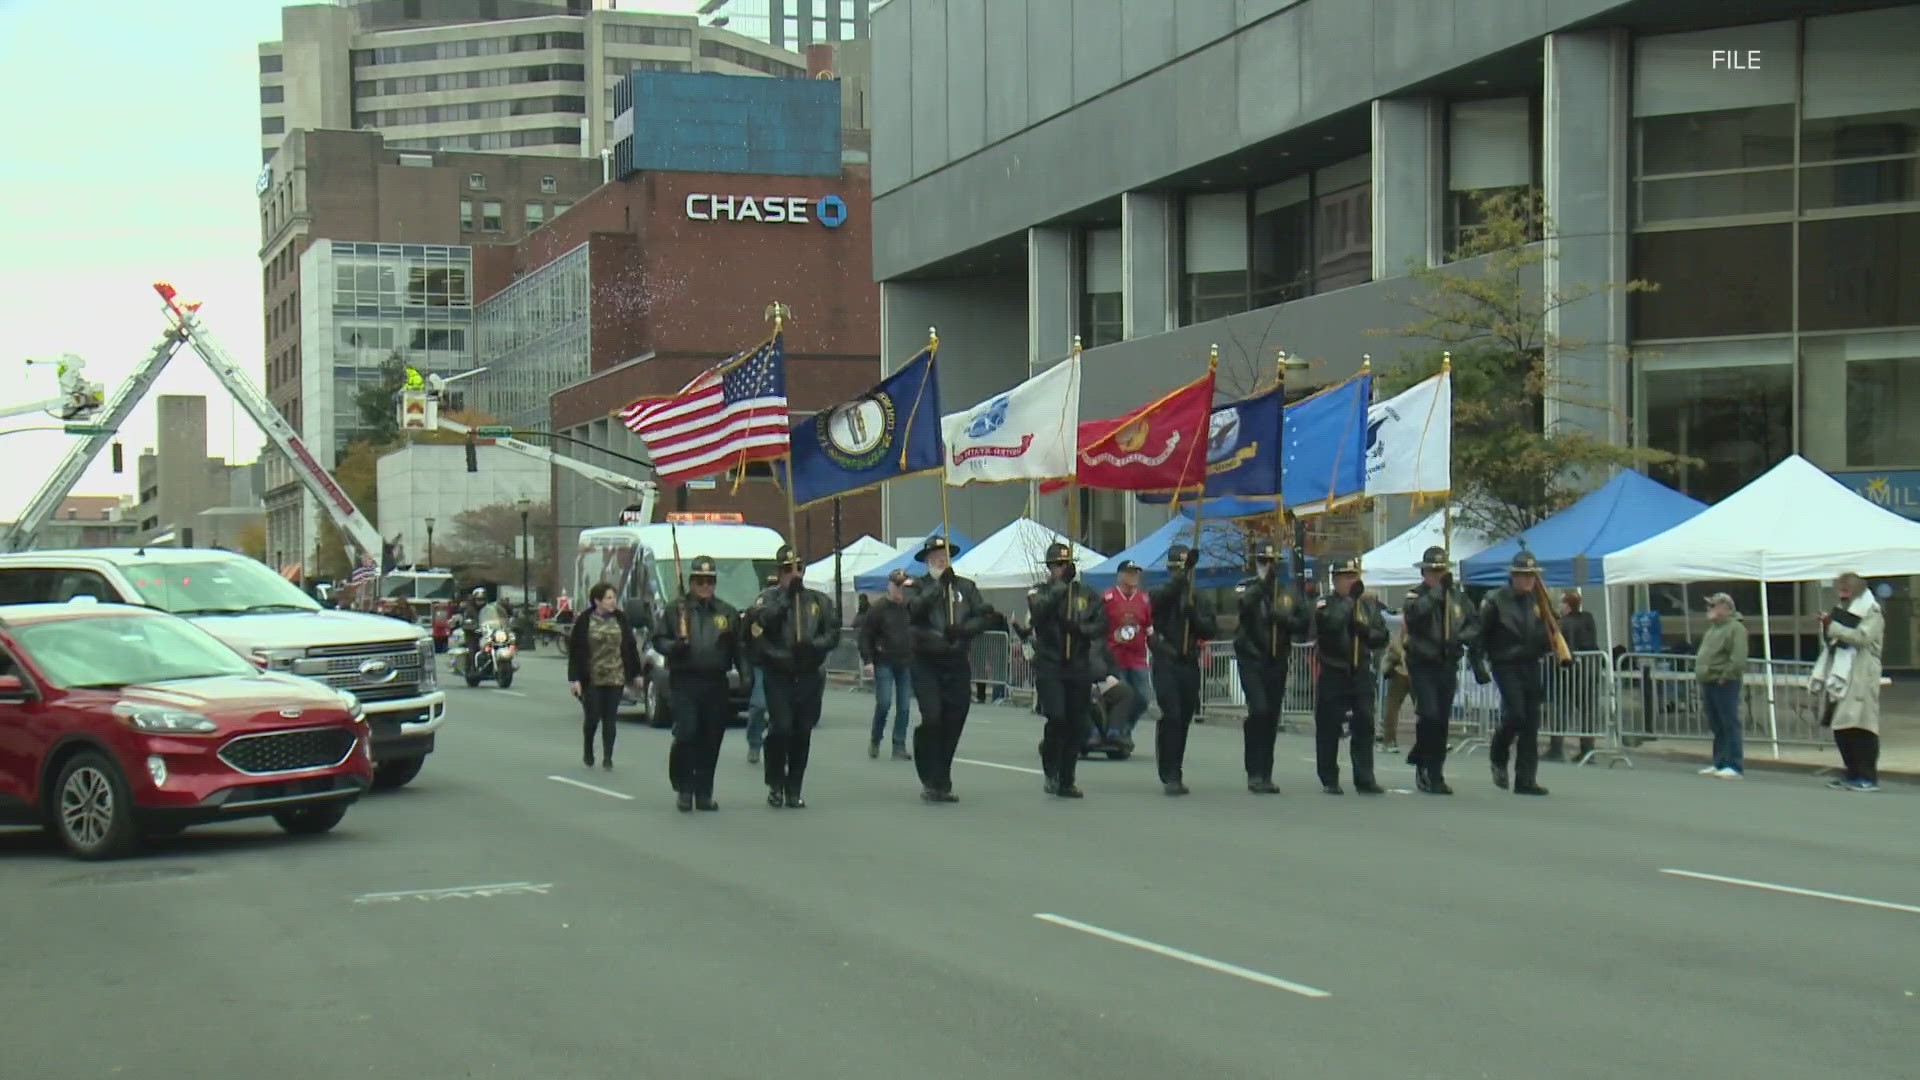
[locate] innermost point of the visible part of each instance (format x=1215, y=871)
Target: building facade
x=1261, y=175
x=84, y=521
x=178, y=480
x=529, y=77
x=426, y=487
x=792, y=24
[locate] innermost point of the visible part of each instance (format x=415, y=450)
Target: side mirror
x=13, y=688
x=258, y=661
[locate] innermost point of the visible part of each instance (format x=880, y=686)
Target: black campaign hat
x=1266, y=553
x=1181, y=555
x=1435, y=558
x=937, y=543
x=1524, y=563
x=1348, y=565
x=1058, y=553
x=786, y=558
x=703, y=567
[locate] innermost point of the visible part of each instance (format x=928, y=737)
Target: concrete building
x=792, y=24
x=423, y=487
x=84, y=521
x=177, y=478
x=1260, y=175
x=531, y=76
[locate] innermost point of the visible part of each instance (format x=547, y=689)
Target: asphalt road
x=872, y=936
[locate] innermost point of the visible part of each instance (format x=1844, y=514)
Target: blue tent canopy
x=875, y=580
x=1223, y=554
x=1571, y=544
x=1223, y=508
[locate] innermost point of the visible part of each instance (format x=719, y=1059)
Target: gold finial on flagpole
x=1076, y=344
x=1446, y=361
x=933, y=336
x=1213, y=357
x=1366, y=363
x=778, y=312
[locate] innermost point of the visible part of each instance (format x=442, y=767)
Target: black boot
x=606, y=759
x=1332, y=787
x=1420, y=782
x=1174, y=787
x=1368, y=787
x=705, y=802
x=1500, y=776
x=1069, y=790
x=684, y=802
x=1437, y=784
x=587, y=756
x=1523, y=784
x=1051, y=786
x=776, y=796
x=1261, y=785
x=794, y=801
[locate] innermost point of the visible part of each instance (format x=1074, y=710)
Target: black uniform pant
x=1263, y=681
x=1434, y=684
x=942, y=688
x=793, y=709
x=1521, y=686
x=701, y=709
x=1066, y=700
x=601, y=704
x=1176, y=684
x=1343, y=704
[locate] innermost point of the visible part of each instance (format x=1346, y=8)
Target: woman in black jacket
x=602, y=658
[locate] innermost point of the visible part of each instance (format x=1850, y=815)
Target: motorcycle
x=490, y=652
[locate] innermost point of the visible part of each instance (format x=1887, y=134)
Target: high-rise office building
x=792, y=24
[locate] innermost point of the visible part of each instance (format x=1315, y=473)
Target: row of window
x=283, y=316
x=478, y=182
x=381, y=285
x=492, y=215
x=714, y=50
x=470, y=80
x=493, y=140
x=386, y=339
x=534, y=339
x=617, y=66
x=475, y=110
x=460, y=50
x=677, y=37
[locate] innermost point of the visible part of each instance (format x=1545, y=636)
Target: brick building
x=644, y=284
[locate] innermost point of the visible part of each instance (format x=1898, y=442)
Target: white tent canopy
x=1794, y=523
x=1396, y=562
x=858, y=557
x=1015, y=557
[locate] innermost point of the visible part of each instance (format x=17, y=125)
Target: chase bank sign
x=829, y=210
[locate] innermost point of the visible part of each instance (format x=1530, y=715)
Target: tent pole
x=1766, y=649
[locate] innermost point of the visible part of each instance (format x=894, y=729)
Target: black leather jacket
x=1348, y=633
x=1182, y=619
x=793, y=629
x=1511, y=630
x=1271, y=616
x=1440, y=624
x=1069, y=624
x=711, y=643
x=946, y=615
x=884, y=633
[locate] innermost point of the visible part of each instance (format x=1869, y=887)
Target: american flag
x=732, y=414
x=364, y=573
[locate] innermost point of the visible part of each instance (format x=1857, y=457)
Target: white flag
x=1410, y=440
x=1031, y=432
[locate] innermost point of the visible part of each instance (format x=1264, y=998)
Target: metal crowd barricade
x=1659, y=698
x=843, y=664
x=1577, y=702
x=992, y=656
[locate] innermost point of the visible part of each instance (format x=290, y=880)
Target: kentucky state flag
x=891, y=431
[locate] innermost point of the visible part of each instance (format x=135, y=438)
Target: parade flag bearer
x=794, y=630
x=700, y=639
x=1440, y=629
x=1069, y=622
x=946, y=613
x=1183, y=622
x=1350, y=630
x=1270, y=616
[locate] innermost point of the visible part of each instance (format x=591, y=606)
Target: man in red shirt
x=1129, y=615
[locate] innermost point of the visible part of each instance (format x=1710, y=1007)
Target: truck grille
x=289, y=751
x=383, y=672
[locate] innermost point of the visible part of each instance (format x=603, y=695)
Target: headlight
x=152, y=718
x=500, y=637
x=354, y=709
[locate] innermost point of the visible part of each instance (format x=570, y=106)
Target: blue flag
x=1325, y=446
x=886, y=433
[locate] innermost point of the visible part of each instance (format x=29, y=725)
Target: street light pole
x=429, y=542
x=526, y=554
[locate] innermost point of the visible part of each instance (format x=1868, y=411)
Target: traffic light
x=186, y=538
x=119, y=464
x=473, y=454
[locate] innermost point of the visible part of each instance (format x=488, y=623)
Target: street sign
x=87, y=429
x=494, y=431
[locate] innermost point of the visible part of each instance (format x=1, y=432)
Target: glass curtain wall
x=536, y=338
x=412, y=302
x=1242, y=250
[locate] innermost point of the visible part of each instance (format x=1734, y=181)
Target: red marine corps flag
x=1157, y=447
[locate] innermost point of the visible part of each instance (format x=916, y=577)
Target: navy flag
x=886, y=433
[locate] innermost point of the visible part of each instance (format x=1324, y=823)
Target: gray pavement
x=871, y=936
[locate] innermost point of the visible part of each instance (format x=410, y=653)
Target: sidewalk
x=1899, y=743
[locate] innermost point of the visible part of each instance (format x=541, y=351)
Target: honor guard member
x=1183, y=621
x=945, y=613
x=1270, y=616
x=1440, y=629
x=1069, y=622
x=700, y=639
x=794, y=629
x=1350, y=629
x=1513, y=639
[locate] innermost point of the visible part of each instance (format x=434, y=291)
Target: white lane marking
x=1185, y=957
x=1791, y=891
x=511, y=693
x=590, y=787
x=464, y=892
x=997, y=765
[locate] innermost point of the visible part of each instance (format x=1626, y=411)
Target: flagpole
x=1280, y=533
x=793, y=513
x=1366, y=417
x=1199, y=511
x=1073, y=484
x=946, y=530
x=1446, y=508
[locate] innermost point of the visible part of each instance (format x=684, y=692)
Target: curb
x=1768, y=765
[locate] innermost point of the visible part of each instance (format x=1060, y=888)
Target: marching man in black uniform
x=1068, y=624
x=945, y=613
x=1440, y=628
x=1183, y=620
x=794, y=629
x=1350, y=629
x=1270, y=615
x=1514, y=637
x=700, y=639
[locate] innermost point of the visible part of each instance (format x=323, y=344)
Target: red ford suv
x=119, y=723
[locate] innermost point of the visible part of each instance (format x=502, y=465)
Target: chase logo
x=832, y=211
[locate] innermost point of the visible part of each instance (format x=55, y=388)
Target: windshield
x=740, y=580
x=118, y=650
x=419, y=586
x=215, y=587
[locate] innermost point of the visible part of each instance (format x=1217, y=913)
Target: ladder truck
x=79, y=399
x=184, y=328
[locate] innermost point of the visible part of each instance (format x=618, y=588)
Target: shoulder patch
x=1240, y=588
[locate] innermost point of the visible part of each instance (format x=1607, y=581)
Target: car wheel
x=397, y=774
x=506, y=679
x=311, y=820
x=93, y=809
x=658, y=714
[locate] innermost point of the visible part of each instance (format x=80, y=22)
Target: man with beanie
x=700, y=639
x=1183, y=621
x=1270, y=616
x=1068, y=622
x=1514, y=638
x=1350, y=629
x=944, y=613
x=794, y=629
x=1440, y=629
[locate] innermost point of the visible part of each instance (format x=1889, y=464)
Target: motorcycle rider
x=794, y=629
x=1068, y=623
x=1440, y=629
x=1183, y=621
x=945, y=613
x=1349, y=630
x=1270, y=616
x=700, y=638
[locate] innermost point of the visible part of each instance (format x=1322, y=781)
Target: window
x=476, y=182
x=270, y=63
x=560, y=208
x=466, y=215
x=1215, y=248
x=1727, y=403
x=273, y=125
x=1343, y=220
x=1860, y=272
x=416, y=161
x=1714, y=282
x=272, y=95
x=549, y=185
x=1860, y=110
x=1282, y=254
x=536, y=215
x=1493, y=148
x=1867, y=386
x=1103, y=304
x=490, y=216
